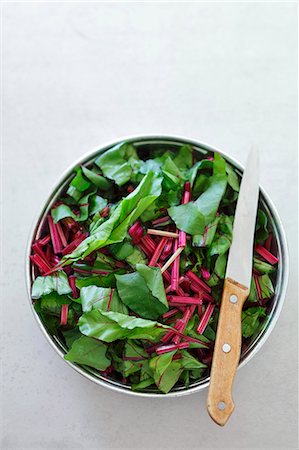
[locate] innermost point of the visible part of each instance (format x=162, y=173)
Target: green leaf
x=90, y=352
x=117, y=163
x=251, y=320
x=205, y=239
x=266, y=286
x=232, y=178
x=143, y=291
x=110, y=326
x=62, y=211
x=115, y=228
x=261, y=230
x=71, y=336
x=143, y=384
x=262, y=266
x=166, y=372
x=99, y=280
x=223, y=236
x=189, y=362
x=79, y=182
x=133, y=359
x=194, y=216
x=126, y=251
x=183, y=159
x=96, y=204
x=93, y=297
x=200, y=165
x=74, y=193
x=51, y=303
x=97, y=179
x=57, y=282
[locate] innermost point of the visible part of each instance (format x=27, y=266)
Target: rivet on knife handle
x=227, y=351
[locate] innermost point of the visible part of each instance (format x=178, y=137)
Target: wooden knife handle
x=227, y=351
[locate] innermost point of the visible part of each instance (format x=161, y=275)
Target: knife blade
x=228, y=341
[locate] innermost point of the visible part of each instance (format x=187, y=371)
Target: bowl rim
x=175, y=139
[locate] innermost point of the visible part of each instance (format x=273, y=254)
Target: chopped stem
x=175, y=270
x=262, y=251
x=56, y=242
x=160, y=220
x=72, y=283
x=170, y=313
x=158, y=251
x=64, y=313
x=205, y=319
x=44, y=240
x=192, y=277
x=177, y=299
x=61, y=234
x=171, y=347
x=162, y=233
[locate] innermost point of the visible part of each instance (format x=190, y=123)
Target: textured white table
x=76, y=75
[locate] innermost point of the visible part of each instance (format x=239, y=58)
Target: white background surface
x=76, y=75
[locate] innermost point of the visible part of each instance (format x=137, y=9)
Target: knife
x=236, y=288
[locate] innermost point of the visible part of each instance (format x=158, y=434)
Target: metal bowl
x=281, y=277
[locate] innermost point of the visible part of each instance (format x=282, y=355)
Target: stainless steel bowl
x=275, y=224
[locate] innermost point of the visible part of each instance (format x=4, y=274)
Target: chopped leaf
x=118, y=162
x=251, y=320
x=57, y=282
x=110, y=326
x=90, y=352
x=143, y=291
x=115, y=228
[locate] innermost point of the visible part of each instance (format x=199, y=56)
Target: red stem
x=171, y=348
x=173, y=300
x=271, y=259
x=61, y=234
x=71, y=247
x=205, y=319
x=160, y=220
x=175, y=270
x=170, y=313
x=56, y=242
x=64, y=313
x=158, y=252
x=268, y=243
x=72, y=283
x=192, y=277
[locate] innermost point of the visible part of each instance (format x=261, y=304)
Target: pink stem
x=201, y=292
x=44, y=240
x=191, y=275
x=40, y=263
x=175, y=270
x=271, y=259
x=205, y=319
x=170, y=313
x=71, y=247
x=171, y=348
x=176, y=299
x=205, y=273
x=61, y=234
x=55, y=238
x=160, y=220
x=64, y=313
x=167, y=250
x=268, y=243
x=72, y=283
x=110, y=299
x=157, y=252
